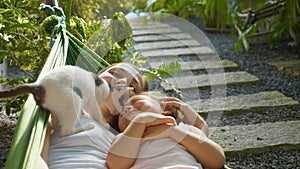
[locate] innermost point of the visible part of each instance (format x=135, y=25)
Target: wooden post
x=4, y=68
x=3, y=71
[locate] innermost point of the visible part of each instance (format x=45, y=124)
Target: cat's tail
x=37, y=90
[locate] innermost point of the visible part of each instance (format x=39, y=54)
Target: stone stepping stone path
x=167, y=44
x=291, y=66
x=155, y=31
x=257, y=137
x=202, y=65
x=231, y=104
x=202, y=50
x=151, y=26
x=164, y=37
x=163, y=43
x=204, y=81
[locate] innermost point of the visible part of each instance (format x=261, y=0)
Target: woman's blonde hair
x=145, y=85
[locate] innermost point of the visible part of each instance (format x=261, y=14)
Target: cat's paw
x=88, y=127
x=64, y=134
x=105, y=124
x=83, y=128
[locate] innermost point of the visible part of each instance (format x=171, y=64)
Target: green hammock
x=29, y=136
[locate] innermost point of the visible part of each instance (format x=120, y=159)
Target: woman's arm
x=42, y=161
x=125, y=148
x=189, y=115
x=45, y=150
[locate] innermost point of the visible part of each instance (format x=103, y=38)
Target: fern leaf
x=169, y=69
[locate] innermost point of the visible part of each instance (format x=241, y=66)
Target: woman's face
x=118, y=72
x=126, y=74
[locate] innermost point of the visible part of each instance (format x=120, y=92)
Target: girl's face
x=137, y=104
x=123, y=73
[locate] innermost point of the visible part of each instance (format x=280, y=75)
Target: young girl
x=150, y=139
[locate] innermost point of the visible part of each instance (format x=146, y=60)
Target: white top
x=165, y=154
x=86, y=149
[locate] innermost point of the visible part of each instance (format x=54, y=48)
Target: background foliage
x=221, y=14
x=25, y=43
x=25, y=33
x=21, y=40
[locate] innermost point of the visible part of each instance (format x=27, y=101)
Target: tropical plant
x=215, y=14
x=285, y=23
x=94, y=10
x=111, y=41
x=21, y=40
x=288, y=23
x=164, y=70
x=137, y=59
x=24, y=42
x=182, y=8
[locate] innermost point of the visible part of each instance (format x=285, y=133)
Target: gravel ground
x=255, y=62
x=7, y=128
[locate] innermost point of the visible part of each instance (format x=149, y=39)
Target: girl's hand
x=187, y=111
x=153, y=119
x=190, y=116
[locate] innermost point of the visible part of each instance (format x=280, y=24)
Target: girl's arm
x=125, y=148
x=206, y=151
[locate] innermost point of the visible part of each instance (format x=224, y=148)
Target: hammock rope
x=31, y=128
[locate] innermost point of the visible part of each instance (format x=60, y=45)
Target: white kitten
x=65, y=92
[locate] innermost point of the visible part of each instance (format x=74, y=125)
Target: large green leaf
x=170, y=68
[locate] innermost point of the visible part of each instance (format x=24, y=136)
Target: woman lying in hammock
x=89, y=149
x=156, y=141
